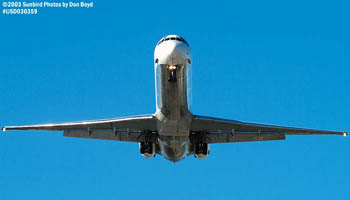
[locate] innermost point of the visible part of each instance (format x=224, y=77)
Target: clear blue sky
x=273, y=62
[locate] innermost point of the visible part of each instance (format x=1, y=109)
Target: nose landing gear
x=172, y=73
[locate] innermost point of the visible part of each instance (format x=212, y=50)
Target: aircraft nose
x=176, y=53
x=175, y=48
x=172, y=52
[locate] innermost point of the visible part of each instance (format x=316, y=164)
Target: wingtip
x=3, y=129
x=345, y=134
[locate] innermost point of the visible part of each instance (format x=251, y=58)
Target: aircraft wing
x=223, y=131
x=122, y=129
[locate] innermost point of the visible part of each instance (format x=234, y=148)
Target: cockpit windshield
x=173, y=38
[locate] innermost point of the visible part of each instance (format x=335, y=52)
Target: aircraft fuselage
x=173, y=78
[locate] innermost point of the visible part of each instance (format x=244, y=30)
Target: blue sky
x=273, y=62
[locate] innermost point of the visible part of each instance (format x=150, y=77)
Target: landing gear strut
x=172, y=73
x=201, y=148
x=146, y=147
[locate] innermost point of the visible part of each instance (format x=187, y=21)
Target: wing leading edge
x=121, y=129
x=222, y=130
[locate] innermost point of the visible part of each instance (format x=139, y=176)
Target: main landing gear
x=148, y=146
x=200, y=145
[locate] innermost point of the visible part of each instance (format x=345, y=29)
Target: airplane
x=173, y=131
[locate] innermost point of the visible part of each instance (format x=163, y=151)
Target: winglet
x=3, y=129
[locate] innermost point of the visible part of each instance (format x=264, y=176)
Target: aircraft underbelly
x=174, y=128
x=172, y=111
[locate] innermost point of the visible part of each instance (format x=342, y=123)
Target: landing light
x=172, y=67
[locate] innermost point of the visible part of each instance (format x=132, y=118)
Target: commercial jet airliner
x=173, y=131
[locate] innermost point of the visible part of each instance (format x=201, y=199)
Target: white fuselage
x=173, y=78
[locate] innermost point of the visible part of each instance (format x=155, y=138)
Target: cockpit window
x=173, y=38
x=162, y=40
x=184, y=41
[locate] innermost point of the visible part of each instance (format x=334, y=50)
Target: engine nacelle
x=148, y=149
x=201, y=150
